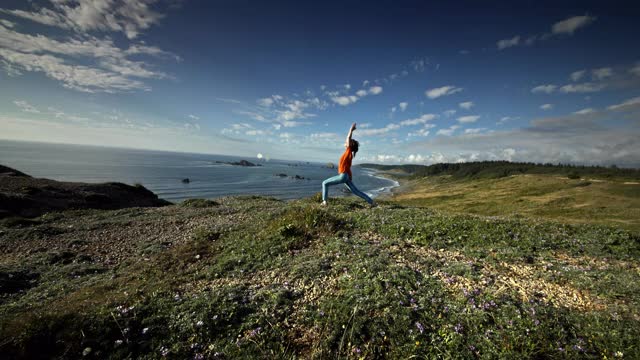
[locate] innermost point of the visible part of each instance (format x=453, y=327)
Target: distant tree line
x=497, y=169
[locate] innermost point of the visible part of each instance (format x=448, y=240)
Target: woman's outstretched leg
x=338, y=179
x=357, y=192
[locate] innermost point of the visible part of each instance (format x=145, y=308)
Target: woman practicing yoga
x=344, y=170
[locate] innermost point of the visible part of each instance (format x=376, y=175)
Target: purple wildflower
x=420, y=327
x=458, y=328
x=164, y=351
x=255, y=332
x=198, y=356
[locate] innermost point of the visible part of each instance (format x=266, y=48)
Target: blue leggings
x=342, y=179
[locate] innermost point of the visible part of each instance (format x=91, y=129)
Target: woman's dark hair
x=354, y=146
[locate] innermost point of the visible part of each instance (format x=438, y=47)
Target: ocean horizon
x=210, y=175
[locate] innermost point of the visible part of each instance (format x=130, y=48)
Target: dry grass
x=594, y=201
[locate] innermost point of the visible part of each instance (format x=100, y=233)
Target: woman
x=344, y=170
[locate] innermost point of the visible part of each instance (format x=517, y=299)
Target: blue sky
x=438, y=82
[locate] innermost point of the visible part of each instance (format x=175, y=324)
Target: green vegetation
x=497, y=169
x=254, y=277
x=612, y=202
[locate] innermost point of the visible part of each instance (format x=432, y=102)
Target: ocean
x=162, y=172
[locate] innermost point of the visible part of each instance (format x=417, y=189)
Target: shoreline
x=383, y=190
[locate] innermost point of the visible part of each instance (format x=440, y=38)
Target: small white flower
x=145, y=330
x=199, y=323
x=118, y=342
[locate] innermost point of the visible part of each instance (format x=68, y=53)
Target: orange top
x=344, y=166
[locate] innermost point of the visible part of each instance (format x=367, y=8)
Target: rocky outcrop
x=25, y=196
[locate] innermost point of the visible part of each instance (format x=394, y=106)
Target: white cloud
x=585, y=111
x=77, y=77
x=449, y=113
x=379, y=131
x=403, y=106
x=548, y=89
x=474, y=130
x=577, y=139
x=127, y=16
x=630, y=104
x=423, y=119
x=255, y=132
x=325, y=136
x=419, y=132
x=506, y=43
x=449, y=131
x=194, y=117
x=344, y=100
x=582, y=88
x=442, y=91
x=546, y=106
x=468, y=119
x=506, y=119
x=108, y=70
x=419, y=120
x=265, y=102
x=570, y=25
x=577, y=75
x=254, y=115
x=466, y=105
x=7, y=23
x=26, y=107
x=567, y=26
x=602, y=73
x=375, y=90
x=361, y=92
x=347, y=86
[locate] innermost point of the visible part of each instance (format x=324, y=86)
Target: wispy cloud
x=546, y=106
x=565, y=27
x=631, y=104
x=585, y=111
x=344, y=100
x=468, y=119
x=83, y=63
x=474, y=130
x=570, y=25
x=466, y=105
x=582, y=88
x=422, y=119
x=577, y=75
x=602, y=73
x=442, y=91
x=127, y=16
x=507, y=43
x=26, y=107
x=448, y=131
x=403, y=106
x=194, y=117
x=547, y=89
x=375, y=90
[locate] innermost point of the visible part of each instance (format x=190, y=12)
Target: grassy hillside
x=614, y=202
x=498, y=169
x=259, y=278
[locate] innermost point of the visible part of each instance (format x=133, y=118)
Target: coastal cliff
x=25, y=196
